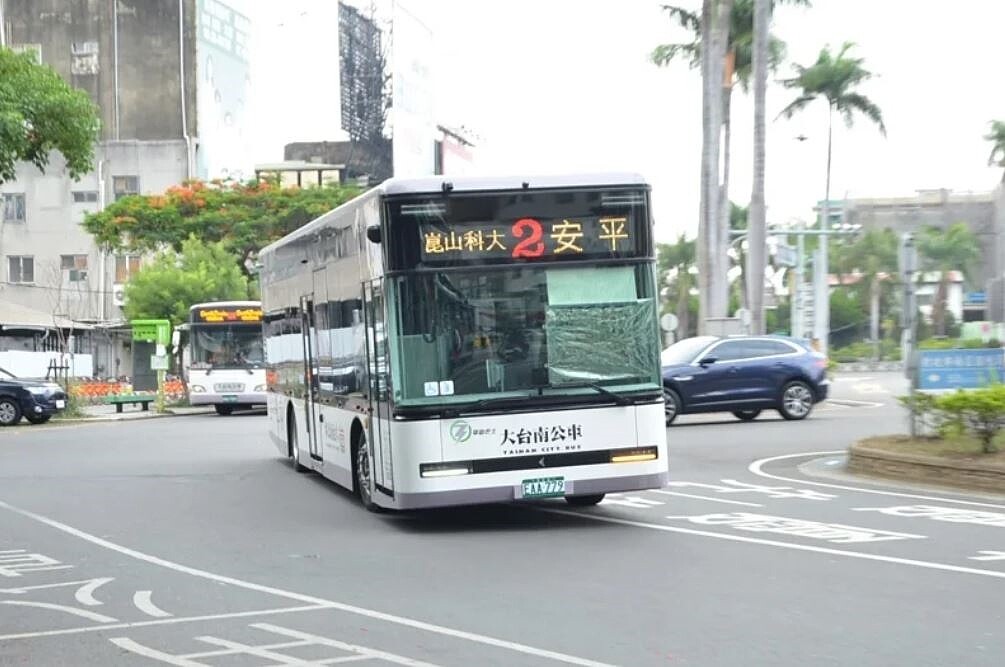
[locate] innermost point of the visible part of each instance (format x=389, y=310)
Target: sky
x=567, y=86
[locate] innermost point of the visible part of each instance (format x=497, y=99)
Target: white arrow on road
x=989, y=555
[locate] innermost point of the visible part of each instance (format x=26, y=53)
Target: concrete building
x=983, y=213
x=170, y=80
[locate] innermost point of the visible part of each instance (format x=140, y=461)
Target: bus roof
x=218, y=304
x=437, y=184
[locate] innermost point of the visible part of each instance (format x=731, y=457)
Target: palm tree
x=874, y=256
x=946, y=250
x=835, y=78
x=680, y=258
x=738, y=68
x=758, y=207
x=997, y=138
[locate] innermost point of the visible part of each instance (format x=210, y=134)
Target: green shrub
x=979, y=411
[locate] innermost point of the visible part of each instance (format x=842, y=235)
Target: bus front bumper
x=213, y=398
x=509, y=493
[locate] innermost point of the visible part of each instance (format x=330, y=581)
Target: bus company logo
x=460, y=431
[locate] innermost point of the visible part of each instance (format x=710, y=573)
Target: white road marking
x=783, y=545
x=852, y=403
x=13, y=562
x=147, y=652
x=989, y=555
x=352, y=648
x=89, y=615
x=85, y=594
x=718, y=500
x=143, y=602
x=309, y=599
x=165, y=621
x=756, y=469
x=946, y=514
x=841, y=378
x=831, y=532
x=637, y=502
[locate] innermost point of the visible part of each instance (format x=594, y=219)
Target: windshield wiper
x=617, y=398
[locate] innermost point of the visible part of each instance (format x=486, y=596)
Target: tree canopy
x=997, y=138
x=243, y=217
x=41, y=113
x=168, y=286
x=834, y=77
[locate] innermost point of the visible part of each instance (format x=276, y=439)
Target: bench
x=119, y=400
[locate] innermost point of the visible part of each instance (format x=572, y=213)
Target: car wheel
x=10, y=412
x=747, y=415
x=671, y=405
x=584, y=501
x=38, y=419
x=797, y=401
x=223, y=410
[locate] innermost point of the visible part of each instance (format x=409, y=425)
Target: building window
x=20, y=269
x=35, y=49
x=126, y=267
x=74, y=268
x=13, y=206
x=123, y=186
x=85, y=196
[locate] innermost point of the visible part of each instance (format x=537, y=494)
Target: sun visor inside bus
x=586, y=309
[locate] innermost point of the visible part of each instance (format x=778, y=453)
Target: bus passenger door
x=309, y=337
x=379, y=390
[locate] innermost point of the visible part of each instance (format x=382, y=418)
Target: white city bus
x=441, y=342
x=225, y=361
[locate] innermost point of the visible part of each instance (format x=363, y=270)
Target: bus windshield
x=523, y=330
x=227, y=346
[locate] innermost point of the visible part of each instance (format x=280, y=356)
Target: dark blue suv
x=743, y=375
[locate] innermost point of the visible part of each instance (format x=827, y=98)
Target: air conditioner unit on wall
x=119, y=295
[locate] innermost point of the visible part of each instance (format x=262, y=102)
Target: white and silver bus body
x=214, y=377
x=349, y=375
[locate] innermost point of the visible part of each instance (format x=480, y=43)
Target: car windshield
x=464, y=336
x=684, y=351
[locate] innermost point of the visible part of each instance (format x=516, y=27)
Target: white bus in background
x=441, y=342
x=225, y=358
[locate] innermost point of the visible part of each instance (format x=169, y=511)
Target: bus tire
x=362, y=472
x=292, y=447
x=584, y=501
x=223, y=410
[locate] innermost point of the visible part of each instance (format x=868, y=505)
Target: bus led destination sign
x=528, y=238
x=228, y=315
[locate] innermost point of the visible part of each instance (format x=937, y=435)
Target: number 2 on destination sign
x=532, y=246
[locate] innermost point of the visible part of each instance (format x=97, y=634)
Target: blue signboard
x=960, y=369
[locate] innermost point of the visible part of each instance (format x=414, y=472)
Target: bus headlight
x=633, y=455
x=260, y=388
x=452, y=469
x=198, y=389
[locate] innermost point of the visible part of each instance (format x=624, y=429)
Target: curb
x=125, y=418
x=964, y=475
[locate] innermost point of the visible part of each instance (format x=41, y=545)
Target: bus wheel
x=584, y=501
x=292, y=444
x=362, y=475
x=223, y=410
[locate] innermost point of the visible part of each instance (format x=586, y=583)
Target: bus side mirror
x=373, y=233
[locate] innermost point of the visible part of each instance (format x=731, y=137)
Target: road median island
x=957, y=463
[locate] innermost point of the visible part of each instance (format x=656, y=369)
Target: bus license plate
x=544, y=487
x=230, y=398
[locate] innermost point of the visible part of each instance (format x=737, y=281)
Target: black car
x=743, y=375
x=34, y=400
